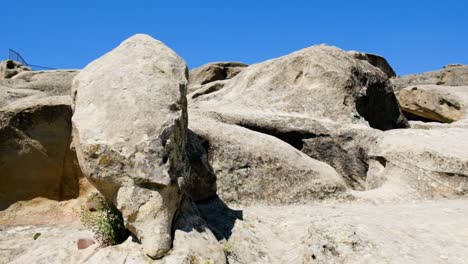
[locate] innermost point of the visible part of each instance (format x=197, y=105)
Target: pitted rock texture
x=130, y=127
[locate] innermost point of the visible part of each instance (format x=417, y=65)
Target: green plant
x=105, y=221
x=228, y=247
x=36, y=236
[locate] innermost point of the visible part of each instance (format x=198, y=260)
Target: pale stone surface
x=215, y=71
x=426, y=163
x=407, y=232
x=450, y=75
x=321, y=82
x=440, y=103
x=10, y=68
x=130, y=127
x=199, y=90
x=252, y=166
x=267, y=135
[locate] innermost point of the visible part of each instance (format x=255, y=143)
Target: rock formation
x=135, y=158
x=450, y=75
x=35, y=155
x=10, y=68
x=438, y=103
x=217, y=71
x=306, y=158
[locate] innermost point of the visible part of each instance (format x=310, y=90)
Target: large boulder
x=320, y=82
x=439, y=103
x=424, y=163
x=321, y=100
x=130, y=127
x=251, y=166
x=450, y=75
x=10, y=68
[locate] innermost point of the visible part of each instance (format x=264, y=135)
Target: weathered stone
x=450, y=75
x=84, y=243
x=376, y=60
x=342, y=146
x=439, y=103
x=193, y=240
x=200, y=183
x=215, y=71
x=433, y=163
x=200, y=90
x=321, y=82
x=252, y=166
x=54, y=82
x=310, y=99
x=130, y=127
x=10, y=68
x=35, y=159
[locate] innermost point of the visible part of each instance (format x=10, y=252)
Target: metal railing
x=13, y=55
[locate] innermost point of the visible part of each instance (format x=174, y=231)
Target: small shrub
x=36, y=236
x=228, y=248
x=105, y=221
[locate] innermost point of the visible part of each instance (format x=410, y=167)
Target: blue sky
x=414, y=36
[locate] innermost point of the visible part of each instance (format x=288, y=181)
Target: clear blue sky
x=414, y=36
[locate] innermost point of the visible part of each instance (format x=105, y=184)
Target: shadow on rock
x=219, y=217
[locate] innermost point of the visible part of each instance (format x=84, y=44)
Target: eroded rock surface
x=35, y=134
x=130, y=125
x=450, y=75
x=376, y=60
x=438, y=103
x=320, y=82
x=252, y=166
x=216, y=71
x=424, y=163
x=320, y=100
x=10, y=68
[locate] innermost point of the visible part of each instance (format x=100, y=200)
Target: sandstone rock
x=130, y=125
x=252, y=166
x=54, y=82
x=9, y=68
x=376, y=60
x=200, y=90
x=403, y=232
x=35, y=107
x=43, y=211
x=200, y=183
x=450, y=75
x=310, y=99
x=215, y=71
x=193, y=240
x=84, y=243
x=433, y=163
x=320, y=82
x=342, y=146
x=35, y=159
x=435, y=102
x=345, y=149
